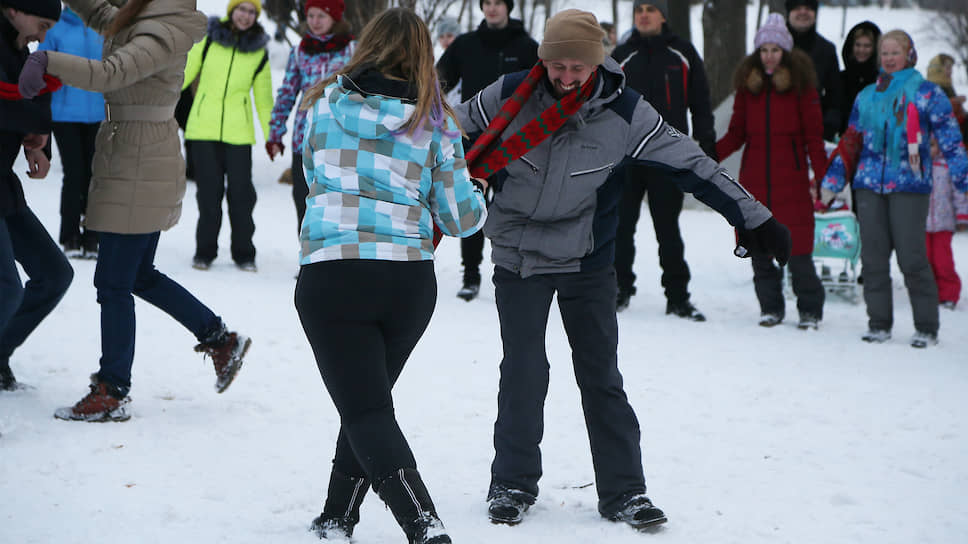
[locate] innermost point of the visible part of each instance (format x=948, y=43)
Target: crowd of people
x=546, y=150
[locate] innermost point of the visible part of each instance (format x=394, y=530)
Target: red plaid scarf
x=488, y=155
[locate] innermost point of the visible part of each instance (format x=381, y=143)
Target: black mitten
x=770, y=238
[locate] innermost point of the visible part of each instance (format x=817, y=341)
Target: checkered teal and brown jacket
x=374, y=191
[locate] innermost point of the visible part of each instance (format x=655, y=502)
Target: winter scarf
x=10, y=91
x=314, y=46
x=489, y=155
x=884, y=116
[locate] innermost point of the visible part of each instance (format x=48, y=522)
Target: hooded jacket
x=70, y=104
x=478, y=58
x=670, y=74
x=777, y=118
x=856, y=75
x=556, y=210
x=376, y=192
x=17, y=119
x=310, y=62
x=878, y=120
x=138, y=173
x=230, y=66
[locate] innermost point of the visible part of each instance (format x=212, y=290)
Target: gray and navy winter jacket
x=556, y=209
x=374, y=191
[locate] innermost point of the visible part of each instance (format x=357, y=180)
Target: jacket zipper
x=225, y=92
x=593, y=170
x=769, y=183
x=884, y=162
x=668, y=93
x=534, y=167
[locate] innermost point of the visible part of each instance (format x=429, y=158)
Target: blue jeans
x=23, y=239
x=125, y=266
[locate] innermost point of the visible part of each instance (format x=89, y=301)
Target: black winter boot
x=341, y=512
x=7, y=381
x=404, y=492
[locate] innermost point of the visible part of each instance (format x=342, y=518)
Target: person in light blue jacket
x=384, y=164
x=885, y=154
x=77, y=114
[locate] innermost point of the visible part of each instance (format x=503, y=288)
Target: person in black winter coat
x=860, y=64
x=24, y=124
x=669, y=73
x=499, y=46
x=802, y=23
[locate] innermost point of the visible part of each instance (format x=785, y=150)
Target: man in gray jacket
x=552, y=229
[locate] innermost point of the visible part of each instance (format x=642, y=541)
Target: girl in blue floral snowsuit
x=326, y=48
x=892, y=179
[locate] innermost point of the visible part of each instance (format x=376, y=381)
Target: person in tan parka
x=137, y=185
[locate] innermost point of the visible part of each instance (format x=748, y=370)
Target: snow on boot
x=405, y=494
x=770, y=320
x=507, y=506
x=341, y=512
x=923, y=339
x=226, y=348
x=808, y=322
x=103, y=403
x=639, y=512
x=876, y=336
x=469, y=291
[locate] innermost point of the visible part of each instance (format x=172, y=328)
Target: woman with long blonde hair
x=384, y=163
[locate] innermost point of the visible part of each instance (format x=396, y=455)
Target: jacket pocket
x=533, y=166
x=796, y=157
x=593, y=170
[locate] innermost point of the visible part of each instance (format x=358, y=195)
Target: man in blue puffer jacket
x=77, y=114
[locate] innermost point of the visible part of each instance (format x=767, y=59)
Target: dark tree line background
x=723, y=23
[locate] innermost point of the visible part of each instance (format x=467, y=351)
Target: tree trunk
x=778, y=6
x=724, y=31
x=679, y=20
x=359, y=12
x=618, y=32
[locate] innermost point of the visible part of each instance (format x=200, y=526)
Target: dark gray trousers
x=896, y=222
x=587, y=304
x=768, y=282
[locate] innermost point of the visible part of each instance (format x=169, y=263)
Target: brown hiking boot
x=98, y=405
x=226, y=351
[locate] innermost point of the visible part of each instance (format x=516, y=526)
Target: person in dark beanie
x=802, y=23
x=559, y=134
x=24, y=124
x=500, y=45
x=669, y=73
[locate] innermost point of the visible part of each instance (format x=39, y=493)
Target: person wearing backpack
x=232, y=66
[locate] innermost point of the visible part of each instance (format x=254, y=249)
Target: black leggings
x=362, y=319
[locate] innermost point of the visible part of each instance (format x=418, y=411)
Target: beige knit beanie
x=573, y=34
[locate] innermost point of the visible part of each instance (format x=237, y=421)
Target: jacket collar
x=368, y=81
x=221, y=32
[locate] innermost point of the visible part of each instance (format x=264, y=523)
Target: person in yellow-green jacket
x=232, y=65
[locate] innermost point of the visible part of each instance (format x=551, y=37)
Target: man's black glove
x=770, y=238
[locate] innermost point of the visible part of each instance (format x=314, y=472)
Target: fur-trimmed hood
x=221, y=32
x=795, y=72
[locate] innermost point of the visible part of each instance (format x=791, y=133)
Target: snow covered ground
x=749, y=435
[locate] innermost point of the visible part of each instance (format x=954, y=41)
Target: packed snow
x=749, y=435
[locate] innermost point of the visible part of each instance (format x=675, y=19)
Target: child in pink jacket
x=940, y=228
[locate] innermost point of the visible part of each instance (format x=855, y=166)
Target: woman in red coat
x=776, y=114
